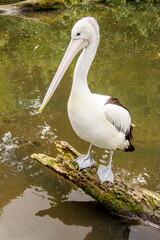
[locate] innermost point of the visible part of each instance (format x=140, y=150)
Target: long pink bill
x=74, y=47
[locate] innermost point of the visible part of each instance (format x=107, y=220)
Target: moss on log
x=120, y=198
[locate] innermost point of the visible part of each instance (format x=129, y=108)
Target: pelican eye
x=78, y=34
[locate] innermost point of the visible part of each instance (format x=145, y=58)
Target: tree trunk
x=120, y=198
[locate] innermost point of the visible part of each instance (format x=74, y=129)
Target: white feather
x=118, y=116
x=88, y=119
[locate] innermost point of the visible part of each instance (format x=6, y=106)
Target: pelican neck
x=82, y=68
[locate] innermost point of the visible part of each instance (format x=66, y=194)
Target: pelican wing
x=118, y=115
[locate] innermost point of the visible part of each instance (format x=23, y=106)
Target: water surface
x=36, y=203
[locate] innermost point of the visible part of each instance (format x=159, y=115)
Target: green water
x=36, y=203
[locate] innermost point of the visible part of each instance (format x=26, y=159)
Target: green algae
x=49, y=4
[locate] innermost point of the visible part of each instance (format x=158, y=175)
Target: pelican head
x=87, y=29
x=84, y=33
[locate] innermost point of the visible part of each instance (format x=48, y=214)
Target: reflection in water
x=142, y=232
x=25, y=224
x=35, y=214
x=127, y=63
x=88, y=214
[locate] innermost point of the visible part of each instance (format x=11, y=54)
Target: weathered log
x=32, y=5
x=120, y=198
x=36, y=5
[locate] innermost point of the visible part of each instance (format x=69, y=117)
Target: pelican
x=100, y=120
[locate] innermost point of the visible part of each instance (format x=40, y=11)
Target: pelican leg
x=104, y=172
x=85, y=161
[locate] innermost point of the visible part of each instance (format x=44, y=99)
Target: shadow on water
x=36, y=203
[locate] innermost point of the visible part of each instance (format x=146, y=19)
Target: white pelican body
x=88, y=116
x=100, y=120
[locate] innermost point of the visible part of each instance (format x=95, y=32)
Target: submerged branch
x=119, y=198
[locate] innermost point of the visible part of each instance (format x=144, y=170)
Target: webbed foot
x=85, y=161
x=105, y=174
